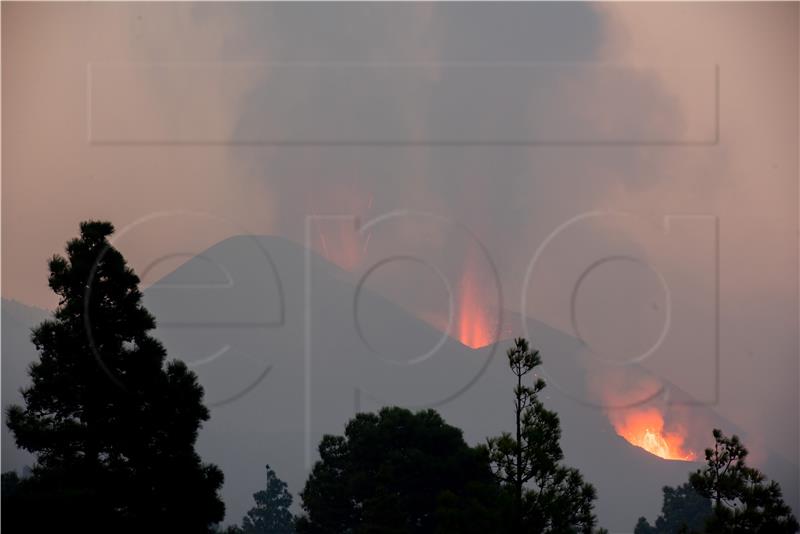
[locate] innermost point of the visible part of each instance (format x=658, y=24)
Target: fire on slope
x=644, y=427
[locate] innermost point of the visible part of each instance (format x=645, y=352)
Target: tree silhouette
x=744, y=501
x=10, y=483
x=271, y=513
x=398, y=471
x=545, y=496
x=683, y=510
x=112, y=428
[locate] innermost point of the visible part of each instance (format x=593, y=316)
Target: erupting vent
x=644, y=427
x=473, y=326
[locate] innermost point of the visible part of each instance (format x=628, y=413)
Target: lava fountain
x=644, y=427
x=472, y=325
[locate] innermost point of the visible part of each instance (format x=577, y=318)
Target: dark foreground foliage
x=111, y=425
x=398, y=471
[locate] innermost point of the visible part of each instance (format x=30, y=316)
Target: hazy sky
x=187, y=123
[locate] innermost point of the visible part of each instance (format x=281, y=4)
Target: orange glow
x=472, y=325
x=339, y=244
x=645, y=428
x=337, y=238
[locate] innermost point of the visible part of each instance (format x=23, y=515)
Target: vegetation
x=684, y=510
x=743, y=499
x=398, y=471
x=271, y=513
x=403, y=472
x=726, y=496
x=111, y=426
x=545, y=496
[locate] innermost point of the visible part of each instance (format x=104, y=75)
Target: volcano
x=284, y=358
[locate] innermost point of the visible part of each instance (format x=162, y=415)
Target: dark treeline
x=112, y=425
x=726, y=496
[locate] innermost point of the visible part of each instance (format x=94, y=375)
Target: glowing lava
x=645, y=428
x=472, y=325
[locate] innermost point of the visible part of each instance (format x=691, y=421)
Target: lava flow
x=645, y=428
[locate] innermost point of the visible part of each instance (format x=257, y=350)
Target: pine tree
x=545, y=496
x=744, y=501
x=271, y=513
x=111, y=426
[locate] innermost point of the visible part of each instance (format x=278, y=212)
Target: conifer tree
x=743, y=499
x=112, y=426
x=545, y=496
x=271, y=513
